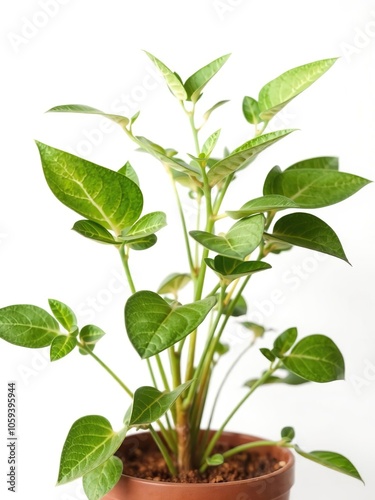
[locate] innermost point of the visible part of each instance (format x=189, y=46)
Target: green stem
x=164, y=451
x=219, y=432
x=162, y=373
x=125, y=262
x=107, y=369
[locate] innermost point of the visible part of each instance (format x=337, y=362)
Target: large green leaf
x=149, y=404
x=97, y=193
x=308, y=231
x=274, y=202
x=82, y=108
x=316, y=358
x=148, y=224
x=27, y=326
x=240, y=156
x=278, y=92
x=241, y=239
x=315, y=187
x=320, y=162
x=196, y=82
x=101, y=480
x=174, y=282
x=90, y=442
x=331, y=460
x=174, y=83
x=154, y=325
x=61, y=346
x=231, y=269
x=94, y=231
x=63, y=313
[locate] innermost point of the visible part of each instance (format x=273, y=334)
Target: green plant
x=160, y=328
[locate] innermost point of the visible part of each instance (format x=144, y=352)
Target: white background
x=90, y=52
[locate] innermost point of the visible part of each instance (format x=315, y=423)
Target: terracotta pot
x=274, y=486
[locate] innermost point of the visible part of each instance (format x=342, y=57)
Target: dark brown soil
x=151, y=465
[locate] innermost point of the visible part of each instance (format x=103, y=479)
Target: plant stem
x=162, y=372
x=219, y=432
x=125, y=262
x=164, y=451
x=107, y=369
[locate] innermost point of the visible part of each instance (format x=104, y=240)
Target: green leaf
x=308, y=231
x=232, y=269
x=284, y=342
x=267, y=203
x=278, y=92
x=240, y=156
x=207, y=114
x=129, y=172
x=61, y=346
x=90, y=336
x=27, y=326
x=101, y=480
x=153, y=325
x=90, y=442
x=241, y=239
x=289, y=379
x=320, y=162
x=97, y=193
x=240, y=309
x=161, y=154
x=210, y=144
x=82, y=108
x=268, y=183
x=172, y=80
x=215, y=460
x=316, y=358
x=64, y=315
x=331, y=460
x=288, y=432
x=94, y=231
x=149, y=404
x=250, y=108
x=147, y=225
x=196, y=82
x=258, y=330
x=173, y=283
x=142, y=243
x=268, y=354
x=316, y=187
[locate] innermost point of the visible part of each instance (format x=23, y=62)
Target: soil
x=151, y=465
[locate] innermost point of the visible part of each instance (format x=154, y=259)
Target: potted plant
x=181, y=341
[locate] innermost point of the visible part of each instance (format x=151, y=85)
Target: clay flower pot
x=273, y=486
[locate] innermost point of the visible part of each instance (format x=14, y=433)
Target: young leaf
x=278, y=92
x=102, y=479
x=129, y=172
x=173, y=283
x=97, y=193
x=288, y=432
x=331, y=460
x=90, y=336
x=284, y=342
x=232, y=269
x=240, y=156
x=268, y=354
x=240, y=309
x=307, y=231
x=172, y=80
x=210, y=144
x=241, y=239
x=90, y=442
x=64, y=315
x=153, y=325
x=61, y=346
x=316, y=358
x=289, y=379
x=94, y=231
x=267, y=203
x=316, y=187
x=196, y=82
x=28, y=326
x=320, y=162
x=142, y=243
x=149, y=404
x=250, y=108
x=215, y=460
x=148, y=224
x=258, y=330
x=207, y=114
x=82, y=108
